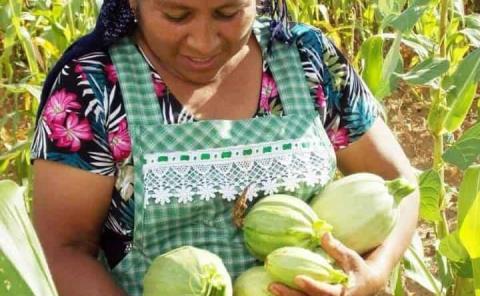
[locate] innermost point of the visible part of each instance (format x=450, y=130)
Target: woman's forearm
x=384, y=258
x=78, y=273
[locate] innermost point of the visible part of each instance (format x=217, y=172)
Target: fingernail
x=274, y=289
x=299, y=282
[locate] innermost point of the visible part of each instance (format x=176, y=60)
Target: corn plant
x=33, y=35
x=22, y=261
x=445, y=40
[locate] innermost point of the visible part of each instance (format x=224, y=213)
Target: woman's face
x=194, y=39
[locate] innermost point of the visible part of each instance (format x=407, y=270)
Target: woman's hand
x=363, y=278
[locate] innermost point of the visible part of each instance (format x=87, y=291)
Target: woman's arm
x=378, y=152
x=69, y=209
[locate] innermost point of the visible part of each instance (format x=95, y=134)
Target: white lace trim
x=265, y=167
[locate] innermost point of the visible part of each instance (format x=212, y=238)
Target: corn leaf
x=11, y=283
x=415, y=268
x=371, y=53
x=426, y=71
x=396, y=287
x=473, y=36
x=471, y=240
x=466, y=149
x=392, y=61
x=469, y=236
x=462, y=91
x=408, y=18
x=469, y=189
x=19, y=243
x=469, y=219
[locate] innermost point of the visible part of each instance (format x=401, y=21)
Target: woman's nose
x=203, y=39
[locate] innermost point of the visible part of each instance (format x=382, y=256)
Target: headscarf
x=116, y=20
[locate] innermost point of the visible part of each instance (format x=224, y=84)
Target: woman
x=152, y=126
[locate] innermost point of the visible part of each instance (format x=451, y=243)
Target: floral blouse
x=84, y=125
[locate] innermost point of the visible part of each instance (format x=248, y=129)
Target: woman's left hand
x=364, y=278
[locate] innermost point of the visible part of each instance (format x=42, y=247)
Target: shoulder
x=85, y=100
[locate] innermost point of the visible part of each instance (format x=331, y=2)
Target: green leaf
x=473, y=36
x=430, y=189
x=463, y=269
x=469, y=189
x=444, y=272
x=415, y=268
x=387, y=7
x=469, y=219
x=372, y=55
x=19, y=242
x=426, y=71
x=11, y=283
x=392, y=61
x=470, y=230
x=472, y=21
x=395, y=282
x=458, y=7
x=462, y=91
x=422, y=45
x=460, y=108
x=407, y=20
x=466, y=149
x=452, y=248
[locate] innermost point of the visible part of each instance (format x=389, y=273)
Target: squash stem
x=399, y=188
x=320, y=227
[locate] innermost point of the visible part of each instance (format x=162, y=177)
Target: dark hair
x=116, y=20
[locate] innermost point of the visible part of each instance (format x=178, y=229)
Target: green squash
x=362, y=208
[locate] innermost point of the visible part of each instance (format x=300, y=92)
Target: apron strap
x=141, y=103
x=286, y=67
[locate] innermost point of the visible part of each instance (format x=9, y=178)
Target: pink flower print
x=320, y=95
x=159, y=87
x=58, y=105
x=269, y=90
x=111, y=73
x=79, y=70
x=70, y=135
x=338, y=138
x=119, y=141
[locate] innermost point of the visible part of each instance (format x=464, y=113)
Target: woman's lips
x=200, y=64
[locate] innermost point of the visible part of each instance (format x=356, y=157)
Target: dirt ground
x=407, y=118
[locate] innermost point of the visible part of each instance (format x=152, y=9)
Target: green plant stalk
x=476, y=271
x=438, y=146
x=444, y=4
x=441, y=227
x=71, y=22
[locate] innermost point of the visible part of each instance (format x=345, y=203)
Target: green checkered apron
x=187, y=176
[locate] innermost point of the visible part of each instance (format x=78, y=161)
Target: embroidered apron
x=187, y=176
